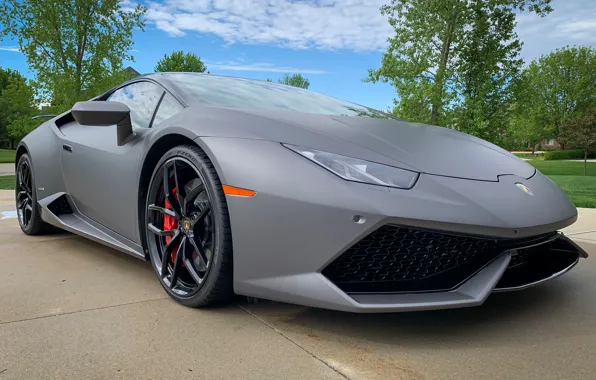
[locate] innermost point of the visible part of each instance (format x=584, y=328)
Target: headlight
x=354, y=169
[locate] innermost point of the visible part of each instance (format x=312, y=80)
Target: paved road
x=73, y=309
x=6, y=169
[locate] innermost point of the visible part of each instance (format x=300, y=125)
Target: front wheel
x=28, y=210
x=187, y=228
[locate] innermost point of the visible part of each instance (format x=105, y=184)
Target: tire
x=33, y=224
x=216, y=286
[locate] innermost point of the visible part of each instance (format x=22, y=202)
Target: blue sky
x=331, y=42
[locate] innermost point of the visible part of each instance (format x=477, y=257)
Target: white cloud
x=10, y=48
x=571, y=23
x=355, y=25
x=238, y=65
x=323, y=24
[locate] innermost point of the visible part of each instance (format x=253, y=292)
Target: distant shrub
x=572, y=154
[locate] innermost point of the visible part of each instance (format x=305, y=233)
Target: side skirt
x=59, y=210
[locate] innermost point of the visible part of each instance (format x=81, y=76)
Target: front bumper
x=297, y=225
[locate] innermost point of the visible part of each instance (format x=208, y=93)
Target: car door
x=102, y=177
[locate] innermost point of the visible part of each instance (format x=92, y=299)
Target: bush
x=572, y=154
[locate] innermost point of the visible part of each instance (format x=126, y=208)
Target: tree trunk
x=437, y=101
x=585, y=162
x=533, y=149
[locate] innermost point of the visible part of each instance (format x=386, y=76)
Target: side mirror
x=104, y=114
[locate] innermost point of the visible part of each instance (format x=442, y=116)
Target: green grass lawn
x=581, y=190
x=7, y=182
x=562, y=167
x=7, y=156
x=569, y=176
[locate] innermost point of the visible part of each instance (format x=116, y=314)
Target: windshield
x=233, y=92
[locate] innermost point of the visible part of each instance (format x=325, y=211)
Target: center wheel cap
x=186, y=226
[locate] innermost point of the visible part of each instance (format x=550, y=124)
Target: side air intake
x=60, y=206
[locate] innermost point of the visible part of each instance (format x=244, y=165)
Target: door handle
x=67, y=148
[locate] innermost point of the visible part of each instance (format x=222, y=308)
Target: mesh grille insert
x=402, y=259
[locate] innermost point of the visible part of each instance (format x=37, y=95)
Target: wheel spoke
x=23, y=203
x=201, y=216
x=177, y=263
x=179, y=190
x=159, y=232
x=193, y=272
x=163, y=210
x=168, y=193
x=200, y=250
x=26, y=180
x=166, y=254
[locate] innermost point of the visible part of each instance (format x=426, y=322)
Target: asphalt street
x=74, y=309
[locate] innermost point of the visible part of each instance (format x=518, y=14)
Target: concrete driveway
x=73, y=309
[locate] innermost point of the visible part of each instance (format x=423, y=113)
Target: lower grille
x=395, y=259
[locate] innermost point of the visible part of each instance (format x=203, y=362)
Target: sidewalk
x=6, y=169
x=583, y=231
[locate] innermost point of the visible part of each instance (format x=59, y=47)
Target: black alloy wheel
x=28, y=210
x=187, y=228
x=24, y=194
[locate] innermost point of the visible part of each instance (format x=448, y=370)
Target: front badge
x=524, y=188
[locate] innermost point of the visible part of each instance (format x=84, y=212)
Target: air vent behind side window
x=64, y=119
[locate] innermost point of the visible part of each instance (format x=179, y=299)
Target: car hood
x=424, y=148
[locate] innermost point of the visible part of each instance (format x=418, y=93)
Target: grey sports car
x=236, y=186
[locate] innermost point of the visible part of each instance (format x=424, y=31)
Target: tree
x=452, y=61
x=581, y=132
x=73, y=46
x=16, y=107
x=180, y=62
x=559, y=87
x=296, y=80
x=524, y=129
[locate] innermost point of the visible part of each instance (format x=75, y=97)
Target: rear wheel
x=187, y=228
x=28, y=210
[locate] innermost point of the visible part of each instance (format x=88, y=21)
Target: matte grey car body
x=304, y=217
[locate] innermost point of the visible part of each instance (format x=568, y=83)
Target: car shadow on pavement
x=524, y=317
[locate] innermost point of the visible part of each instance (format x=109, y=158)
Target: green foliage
x=296, y=80
x=7, y=156
x=16, y=107
x=567, y=154
x=452, y=62
x=558, y=87
x=581, y=132
x=75, y=47
x=179, y=61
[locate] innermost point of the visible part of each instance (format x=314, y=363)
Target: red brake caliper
x=170, y=223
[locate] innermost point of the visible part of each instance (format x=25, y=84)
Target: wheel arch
x=21, y=149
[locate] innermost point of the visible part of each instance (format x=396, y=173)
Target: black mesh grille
x=402, y=259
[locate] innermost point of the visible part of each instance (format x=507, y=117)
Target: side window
x=168, y=108
x=141, y=98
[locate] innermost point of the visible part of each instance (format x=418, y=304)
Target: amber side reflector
x=231, y=190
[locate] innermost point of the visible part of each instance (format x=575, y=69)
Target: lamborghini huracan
x=233, y=186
